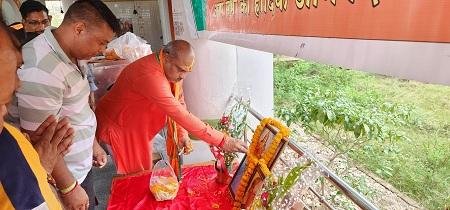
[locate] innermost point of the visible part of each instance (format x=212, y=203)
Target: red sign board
x=400, y=20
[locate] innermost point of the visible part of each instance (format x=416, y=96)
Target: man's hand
x=76, y=200
x=234, y=145
x=92, y=101
x=99, y=158
x=51, y=139
x=186, y=143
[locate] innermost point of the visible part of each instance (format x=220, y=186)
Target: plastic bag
x=163, y=182
x=129, y=46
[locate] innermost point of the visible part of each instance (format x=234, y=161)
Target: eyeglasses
x=44, y=22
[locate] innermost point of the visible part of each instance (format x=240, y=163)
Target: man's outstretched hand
x=186, y=144
x=234, y=145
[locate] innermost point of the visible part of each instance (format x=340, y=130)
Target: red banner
x=401, y=20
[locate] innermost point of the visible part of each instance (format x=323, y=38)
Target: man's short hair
x=30, y=6
x=92, y=11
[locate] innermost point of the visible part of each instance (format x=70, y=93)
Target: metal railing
x=334, y=179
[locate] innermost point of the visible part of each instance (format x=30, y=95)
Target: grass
x=418, y=166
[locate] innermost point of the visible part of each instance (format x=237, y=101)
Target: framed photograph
x=266, y=138
x=264, y=143
x=254, y=185
x=236, y=179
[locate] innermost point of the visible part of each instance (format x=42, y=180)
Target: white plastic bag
x=163, y=182
x=130, y=47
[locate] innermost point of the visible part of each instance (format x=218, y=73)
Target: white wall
x=219, y=68
x=183, y=19
x=146, y=23
x=255, y=70
x=66, y=4
x=210, y=84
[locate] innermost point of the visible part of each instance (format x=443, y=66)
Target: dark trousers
x=88, y=186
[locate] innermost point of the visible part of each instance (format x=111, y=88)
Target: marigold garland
x=253, y=160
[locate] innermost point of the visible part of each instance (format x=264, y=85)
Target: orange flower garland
x=253, y=160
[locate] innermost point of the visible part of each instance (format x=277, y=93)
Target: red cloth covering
x=198, y=190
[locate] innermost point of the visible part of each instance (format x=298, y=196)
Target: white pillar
x=255, y=71
x=209, y=86
x=165, y=23
x=218, y=68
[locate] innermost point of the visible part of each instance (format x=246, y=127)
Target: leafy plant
x=398, y=129
x=275, y=189
x=232, y=123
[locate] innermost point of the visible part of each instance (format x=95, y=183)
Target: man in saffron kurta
x=137, y=107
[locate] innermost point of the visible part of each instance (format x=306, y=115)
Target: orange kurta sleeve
x=156, y=88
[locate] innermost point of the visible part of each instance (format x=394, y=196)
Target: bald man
x=146, y=97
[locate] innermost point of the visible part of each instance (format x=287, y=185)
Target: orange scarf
x=172, y=141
